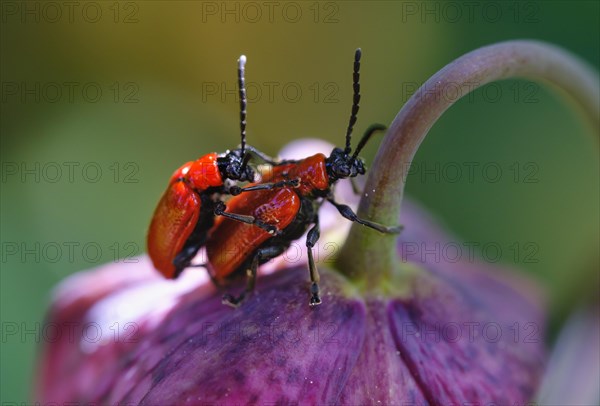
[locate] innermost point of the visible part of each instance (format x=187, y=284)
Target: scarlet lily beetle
x=187, y=209
x=291, y=209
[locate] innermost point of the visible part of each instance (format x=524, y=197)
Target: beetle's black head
x=234, y=165
x=340, y=164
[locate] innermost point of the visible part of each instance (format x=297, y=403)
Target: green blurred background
x=166, y=73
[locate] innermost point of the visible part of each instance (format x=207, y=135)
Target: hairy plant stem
x=369, y=257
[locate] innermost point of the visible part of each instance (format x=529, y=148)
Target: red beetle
x=187, y=209
x=233, y=247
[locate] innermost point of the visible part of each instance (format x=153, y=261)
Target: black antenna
x=242, y=86
x=356, y=98
x=373, y=128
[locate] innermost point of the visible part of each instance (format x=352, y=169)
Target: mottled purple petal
x=380, y=377
x=458, y=347
x=187, y=348
x=273, y=349
x=101, y=316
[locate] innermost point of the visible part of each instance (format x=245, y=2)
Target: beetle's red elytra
x=178, y=211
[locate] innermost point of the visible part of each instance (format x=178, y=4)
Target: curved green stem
x=370, y=257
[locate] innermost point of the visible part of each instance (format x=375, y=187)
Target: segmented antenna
x=356, y=99
x=242, y=86
x=365, y=138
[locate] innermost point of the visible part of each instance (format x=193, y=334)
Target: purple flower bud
x=457, y=331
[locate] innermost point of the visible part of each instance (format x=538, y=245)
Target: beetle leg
x=236, y=190
x=183, y=259
x=262, y=156
x=311, y=239
x=220, y=211
x=234, y=301
x=266, y=158
x=347, y=213
x=263, y=253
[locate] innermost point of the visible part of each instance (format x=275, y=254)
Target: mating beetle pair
x=265, y=216
x=186, y=212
